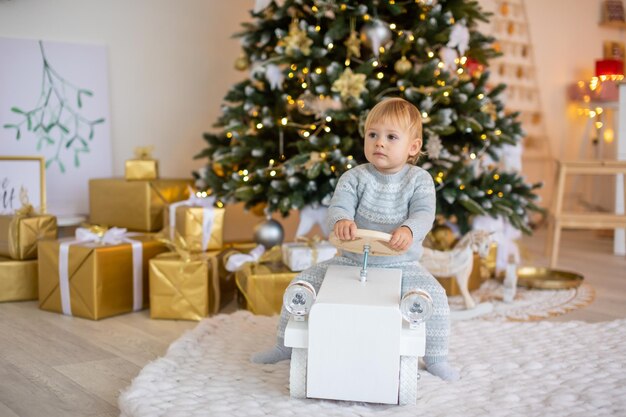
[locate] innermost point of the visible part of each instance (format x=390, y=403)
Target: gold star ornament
x=349, y=84
x=297, y=40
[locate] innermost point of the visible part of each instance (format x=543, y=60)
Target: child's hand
x=345, y=230
x=401, y=238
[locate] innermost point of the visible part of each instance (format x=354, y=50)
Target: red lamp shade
x=609, y=67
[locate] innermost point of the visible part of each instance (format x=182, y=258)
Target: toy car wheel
x=407, y=392
x=297, y=373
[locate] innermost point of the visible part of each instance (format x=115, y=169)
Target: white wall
x=567, y=39
x=170, y=65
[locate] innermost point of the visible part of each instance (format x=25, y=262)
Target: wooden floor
x=52, y=365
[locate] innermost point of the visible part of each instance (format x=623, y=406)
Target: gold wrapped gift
x=18, y=280
x=99, y=280
x=19, y=234
x=141, y=169
x=263, y=284
x=184, y=287
x=135, y=205
x=200, y=227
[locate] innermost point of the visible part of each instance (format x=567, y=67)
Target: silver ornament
x=375, y=35
x=269, y=233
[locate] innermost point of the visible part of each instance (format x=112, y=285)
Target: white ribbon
x=309, y=217
x=113, y=236
x=237, y=260
x=207, y=215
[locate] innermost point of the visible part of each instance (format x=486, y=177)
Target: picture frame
x=613, y=50
x=22, y=172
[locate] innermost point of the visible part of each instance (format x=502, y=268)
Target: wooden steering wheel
x=378, y=243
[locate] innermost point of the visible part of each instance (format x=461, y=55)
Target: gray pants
x=414, y=276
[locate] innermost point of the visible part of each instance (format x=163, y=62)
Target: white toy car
x=350, y=341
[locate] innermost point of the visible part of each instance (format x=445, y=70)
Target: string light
x=306, y=134
x=304, y=85
x=272, y=173
x=229, y=135
x=480, y=96
x=392, y=26
x=489, y=191
x=219, y=204
x=305, y=70
x=500, y=194
x=330, y=46
x=431, y=54
x=472, y=155
x=374, y=63
x=496, y=177
x=318, y=70
x=380, y=75
x=259, y=125
x=329, y=119
x=283, y=121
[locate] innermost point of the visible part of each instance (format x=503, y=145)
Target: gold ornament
x=297, y=40
x=242, y=63
x=349, y=84
x=490, y=109
x=353, y=45
x=402, y=66
x=441, y=237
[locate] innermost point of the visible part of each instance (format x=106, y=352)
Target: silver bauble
x=307, y=103
x=269, y=233
x=375, y=35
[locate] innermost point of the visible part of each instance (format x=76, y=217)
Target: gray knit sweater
x=385, y=202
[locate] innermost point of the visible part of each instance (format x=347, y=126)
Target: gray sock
x=276, y=354
x=444, y=371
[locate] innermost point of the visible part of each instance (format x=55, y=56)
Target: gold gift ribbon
x=144, y=152
x=22, y=238
x=312, y=243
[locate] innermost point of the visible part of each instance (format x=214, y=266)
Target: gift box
x=263, y=284
x=135, y=205
x=184, y=287
x=197, y=223
x=18, y=280
x=19, y=234
x=88, y=277
x=141, y=169
x=300, y=256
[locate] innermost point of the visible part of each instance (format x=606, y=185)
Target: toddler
x=392, y=195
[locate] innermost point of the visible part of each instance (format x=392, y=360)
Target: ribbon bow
x=101, y=235
x=143, y=152
x=27, y=209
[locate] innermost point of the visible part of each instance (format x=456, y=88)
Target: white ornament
x=376, y=35
x=449, y=56
x=275, y=76
x=434, y=147
x=459, y=37
x=260, y=5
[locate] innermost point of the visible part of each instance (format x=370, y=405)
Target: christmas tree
x=316, y=68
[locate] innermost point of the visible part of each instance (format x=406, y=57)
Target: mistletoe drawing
x=56, y=119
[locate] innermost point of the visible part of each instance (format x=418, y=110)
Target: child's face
x=388, y=147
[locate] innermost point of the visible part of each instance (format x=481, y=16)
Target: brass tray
x=547, y=279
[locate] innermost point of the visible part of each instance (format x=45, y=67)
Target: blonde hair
x=397, y=111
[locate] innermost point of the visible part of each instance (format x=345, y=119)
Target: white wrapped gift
x=299, y=256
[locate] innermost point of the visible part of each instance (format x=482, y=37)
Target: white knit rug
x=507, y=369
